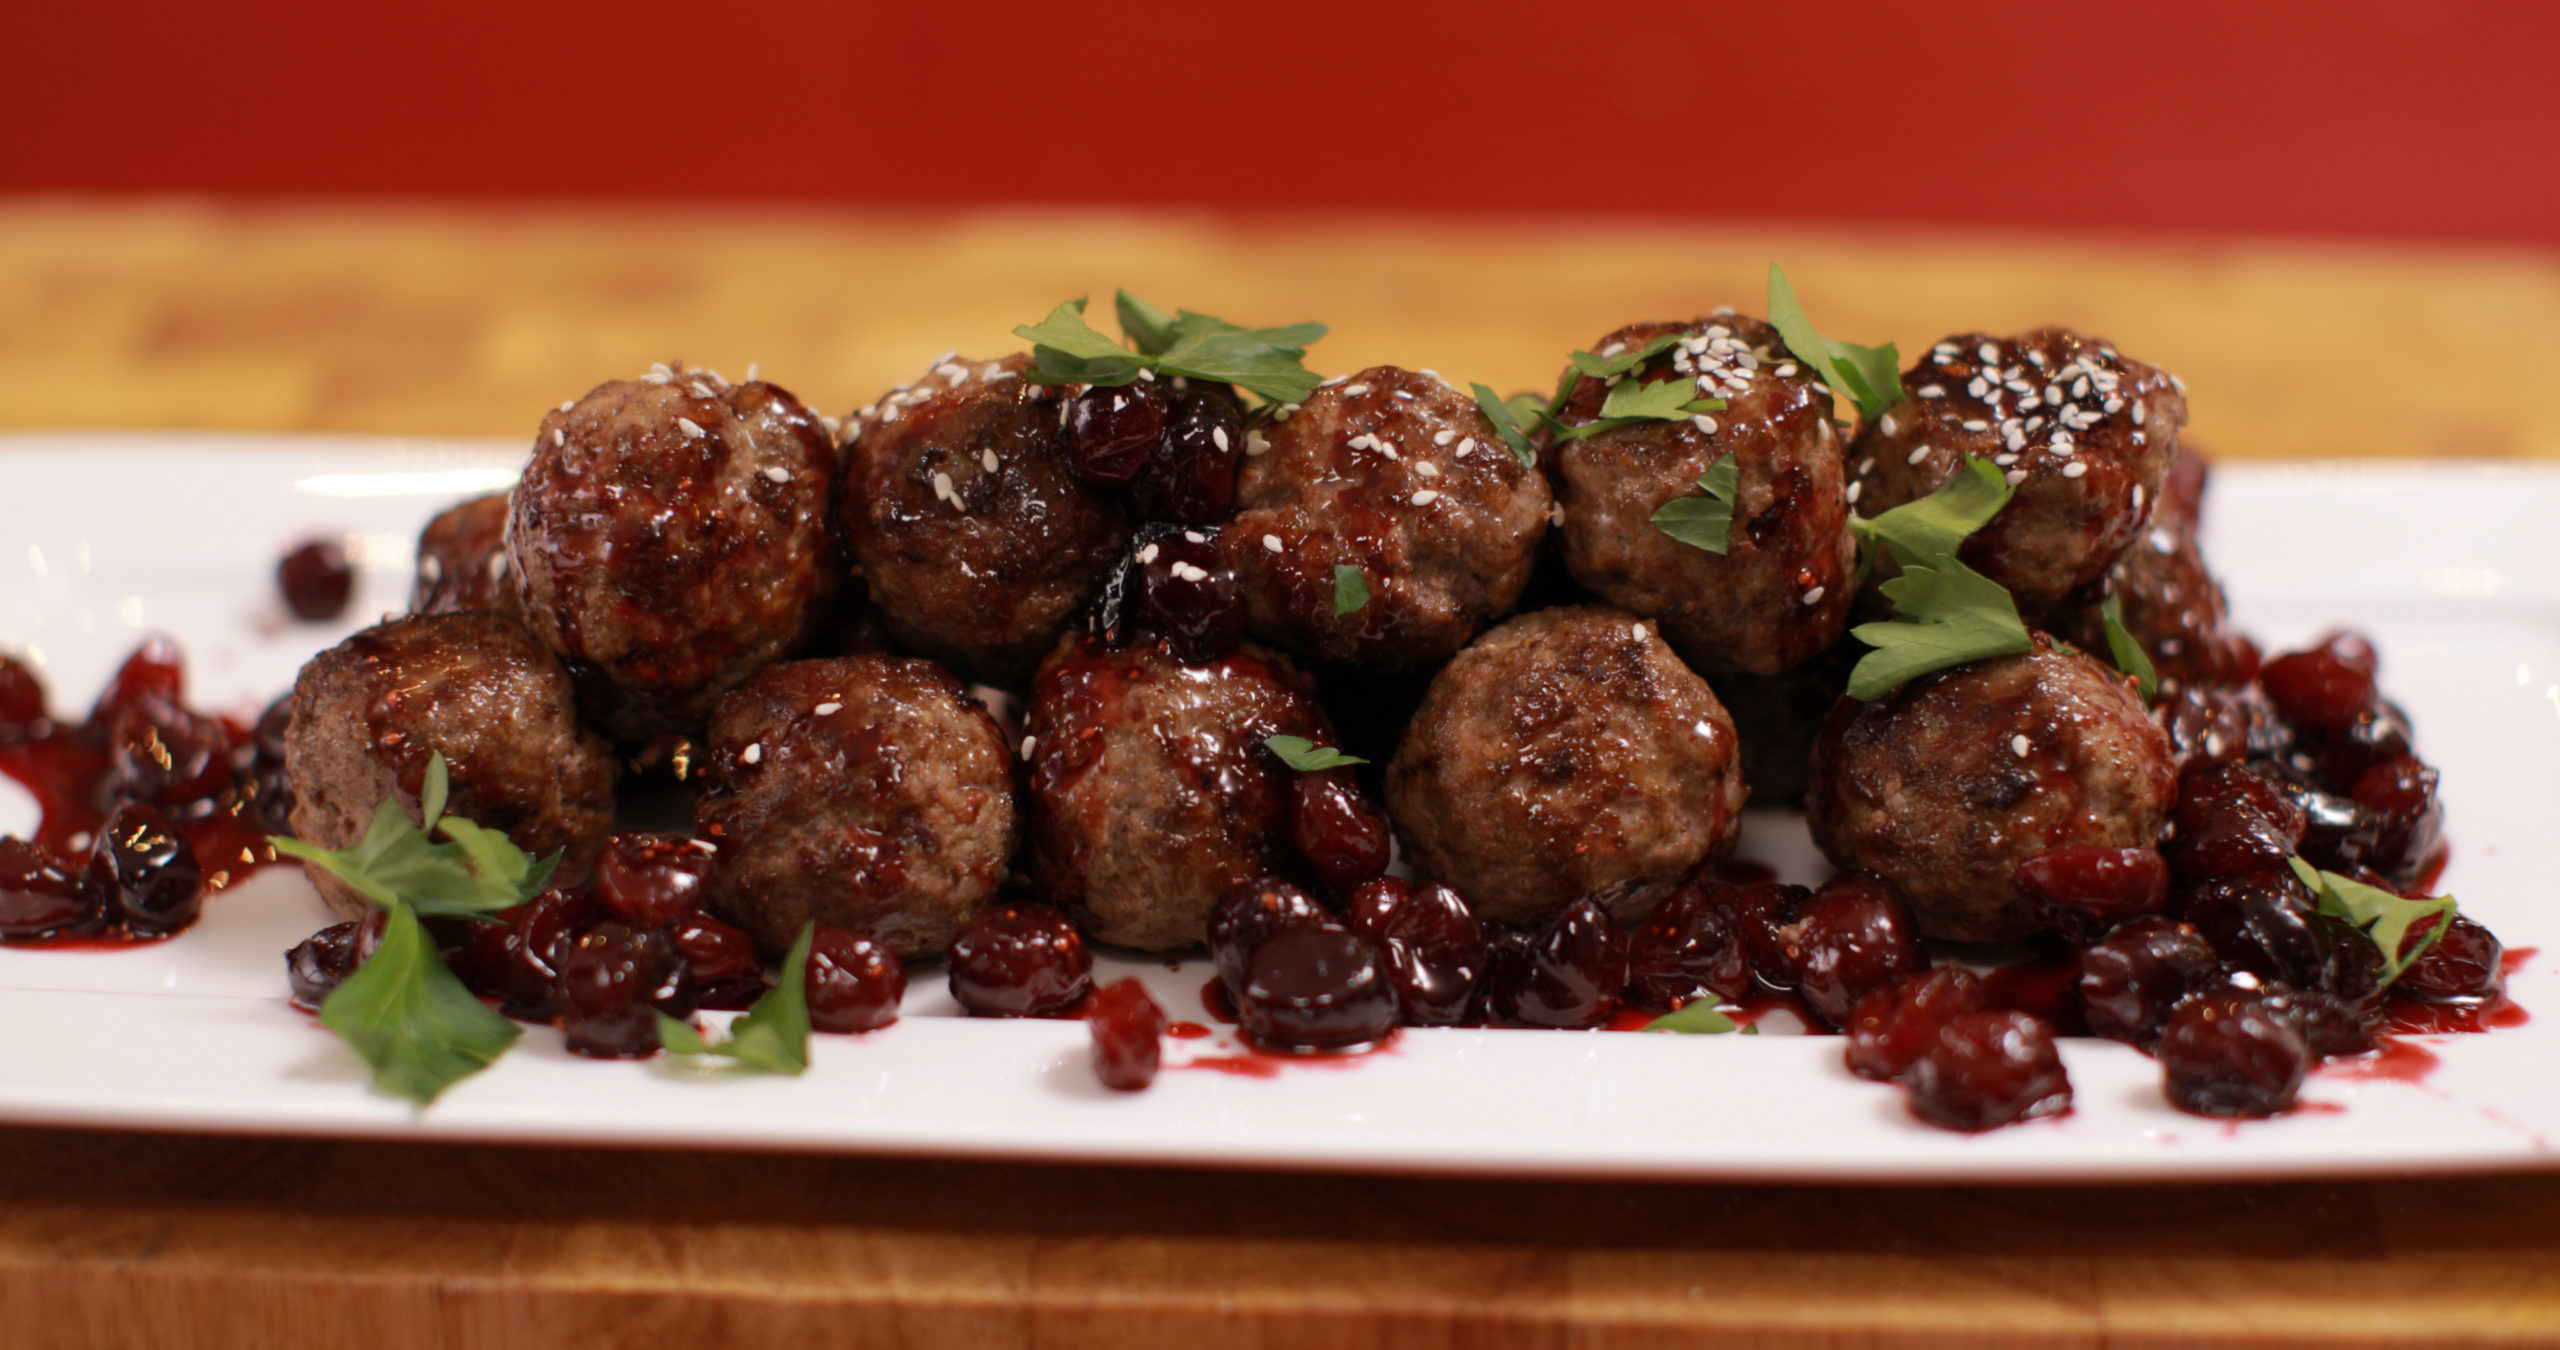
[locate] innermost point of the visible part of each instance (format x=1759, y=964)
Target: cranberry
x=1128, y=1035
x=1020, y=959
x=1988, y=1069
x=1436, y=955
x=1188, y=597
x=2228, y=1054
x=153, y=678
x=2264, y=923
x=1112, y=432
x=2230, y=819
x=1891, y=1028
x=170, y=757
x=1767, y=910
x=2462, y=966
x=1316, y=989
x=852, y=982
x=2084, y=891
x=1509, y=954
x=318, y=964
x=651, y=878
x=1366, y=908
x=2322, y=688
x=1191, y=477
x=2206, y=724
x=2331, y=1027
x=1341, y=834
x=2337, y=833
x=316, y=580
x=21, y=697
x=39, y=894
x=613, y=980
x=722, y=961
x=1576, y=973
x=1854, y=938
x=2134, y=977
x=1693, y=946
x=527, y=952
x=2342, y=756
x=146, y=872
x=2400, y=795
x=1248, y=915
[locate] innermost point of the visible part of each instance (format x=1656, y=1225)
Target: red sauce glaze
x=2047, y=987
x=2412, y=1018
x=1251, y=1063
x=2397, y=1061
x=1186, y=1031
x=1213, y=998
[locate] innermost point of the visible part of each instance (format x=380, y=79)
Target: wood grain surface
x=184, y=315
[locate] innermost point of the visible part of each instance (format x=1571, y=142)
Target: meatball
x=871, y=793
x=1398, y=474
x=1777, y=717
x=2171, y=603
x=670, y=538
x=1782, y=589
x=462, y=560
x=371, y=712
x=2084, y=434
x=1151, y=790
x=967, y=522
x=1566, y=753
x=1945, y=785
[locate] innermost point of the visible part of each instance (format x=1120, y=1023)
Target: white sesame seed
x=1918, y=454
x=431, y=569
x=1354, y=390
x=1145, y=374
x=1028, y=743
x=2112, y=406
x=1147, y=554
x=1706, y=425
x=778, y=474
x=1977, y=386
x=987, y=459
x=2075, y=468
x=1466, y=447
x=568, y=405
x=1328, y=384
x=2137, y=412
x=2019, y=745
x=942, y=486
x=828, y=709
x=559, y=437
x=2004, y=461
x=2137, y=438
x=699, y=390
x=1637, y=630
x=2182, y=384
x=1787, y=370
x=1218, y=436
x=2017, y=476
x=1976, y=424
x=1426, y=469
x=1887, y=424
x=1990, y=354
x=1183, y=571
x=1425, y=497
x=497, y=566
x=996, y=375
x=1443, y=437
x=1814, y=596
x=2137, y=501
x=1256, y=445
x=1933, y=391
x=751, y=372
x=1867, y=465
x=691, y=427
x=753, y=754
x=1271, y=543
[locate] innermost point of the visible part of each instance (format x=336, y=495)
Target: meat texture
x=462, y=560
x=2169, y=599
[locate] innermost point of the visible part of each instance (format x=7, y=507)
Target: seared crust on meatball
x=1943, y=786
x=2171, y=603
x=1396, y=473
x=1151, y=789
x=967, y=522
x=670, y=538
x=872, y=793
x=2083, y=433
x=371, y=712
x=462, y=560
x=1782, y=589
x=1566, y=753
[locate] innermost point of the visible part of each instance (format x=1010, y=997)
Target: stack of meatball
x=1252, y=647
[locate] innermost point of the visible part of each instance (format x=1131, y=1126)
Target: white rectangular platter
x=104, y=538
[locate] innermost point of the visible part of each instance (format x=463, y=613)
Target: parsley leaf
x=1067, y=350
x=475, y=875
x=1697, y=1017
x=1938, y=523
x=409, y=1019
x=1705, y=522
x=1144, y=324
x=1506, y=424
x=2127, y=653
x=770, y=1037
x=1268, y=361
x=1871, y=376
x=1945, y=612
x=1350, y=590
x=1624, y=363
x=1632, y=400
x=2378, y=914
x=1306, y=756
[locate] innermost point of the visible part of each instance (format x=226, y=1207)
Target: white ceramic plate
x=104, y=538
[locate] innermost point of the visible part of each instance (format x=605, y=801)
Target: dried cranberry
x=170, y=758
x=1891, y=1028
x=1854, y=938
x=1316, y=989
x=2322, y=688
x=528, y=951
x=1509, y=954
x=1693, y=946
x=146, y=872
x=2331, y=1027
x=2342, y=756
x=21, y=697
x=613, y=981
x=1020, y=959
x=1436, y=955
x=722, y=961
x=2228, y=1054
x=2084, y=891
x=2264, y=923
x=2230, y=819
x=2206, y=724
x=39, y=893
x=1248, y=915
x=651, y=878
x=151, y=679
x=2462, y=966
x=1341, y=834
x=852, y=983
x=1767, y=910
x=1367, y=906
x=316, y=580
x=318, y=964
x=1188, y=597
x=1576, y=974
x=1128, y=1035
x=2400, y=795
x=2134, y=977
x=1111, y=432
x=1988, y=1069
x=1191, y=477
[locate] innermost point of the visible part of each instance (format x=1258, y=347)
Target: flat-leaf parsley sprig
x=1945, y=613
x=1270, y=362
x=772, y=1035
x=1870, y=376
x=2383, y=918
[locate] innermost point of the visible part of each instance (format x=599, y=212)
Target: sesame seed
x=559, y=437
x=2182, y=384
x=1814, y=596
x=2137, y=414
x=1867, y=465
x=942, y=487
x=1989, y=353
x=1887, y=424
x=1918, y=455
x=2017, y=476
x=778, y=474
x=1328, y=384
x=828, y=709
x=753, y=754
x=1028, y=742
x=2019, y=745
x=1271, y=542
x=1354, y=390
x=497, y=566
x=1977, y=387
x=1854, y=490
x=2075, y=468
x=1183, y=571
x=2004, y=461
x=751, y=372
x=1787, y=370
x=987, y=458
x=691, y=427
x=1427, y=469
x=1444, y=437
x=431, y=569
x=1706, y=425
x=699, y=390
x=2137, y=502
x=1195, y=536
x=1148, y=554
x=1466, y=447
x=1976, y=424
x=1256, y=445
x=2137, y=438
x=568, y=405
x=1425, y=497
x=1145, y=374
x=1637, y=630
x=1218, y=436
x=1933, y=391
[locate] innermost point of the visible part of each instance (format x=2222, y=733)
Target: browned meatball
x=1945, y=785
x=1398, y=474
x=369, y=713
x=670, y=538
x=2171, y=603
x=967, y=523
x=2083, y=433
x=871, y=793
x=1781, y=591
x=1566, y=753
x=1151, y=789
x=462, y=560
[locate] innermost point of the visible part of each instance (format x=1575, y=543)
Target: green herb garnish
x=772, y=1036
x=1631, y=401
x=1946, y=613
x=2385, y=919
x=1350, y=590
x=1705, y=522
x=1268, y=361
x=1306, y=756
x=1870, y=376
x=2127, y=653
x=1697, y=1017
x=1507, y=423
x=1624, y=363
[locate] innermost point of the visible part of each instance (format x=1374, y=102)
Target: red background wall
x=2359, y=117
